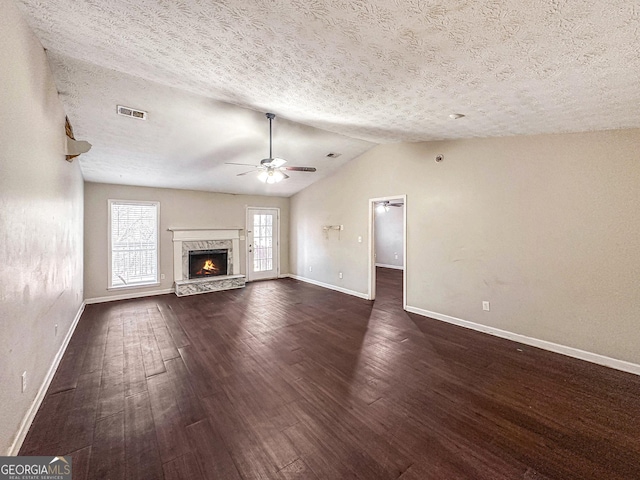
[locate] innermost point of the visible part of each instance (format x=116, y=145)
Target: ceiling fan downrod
x=270, y=116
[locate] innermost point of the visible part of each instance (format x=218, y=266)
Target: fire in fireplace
x=208, y=263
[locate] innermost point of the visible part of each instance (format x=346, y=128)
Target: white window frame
x=110, y=249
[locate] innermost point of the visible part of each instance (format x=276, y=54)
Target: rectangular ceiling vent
x=333, y=155
x=132, y=112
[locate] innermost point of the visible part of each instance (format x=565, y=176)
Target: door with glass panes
x=262, y=243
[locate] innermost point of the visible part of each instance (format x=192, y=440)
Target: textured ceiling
x=380, y=70
x=187, y=138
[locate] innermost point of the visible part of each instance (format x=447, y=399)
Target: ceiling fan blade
x=243, y=164
x=285, y=175
x=272, y=162
x=245, y=173
x=300, y=169
x=278, y=162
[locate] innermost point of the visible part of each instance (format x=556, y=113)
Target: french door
x=262, y=243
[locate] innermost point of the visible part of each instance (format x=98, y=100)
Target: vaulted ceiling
x=342, y=75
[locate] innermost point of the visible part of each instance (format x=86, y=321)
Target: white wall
x=546, y=228
x=41, y=202
x=389, y=226
x=178, y=209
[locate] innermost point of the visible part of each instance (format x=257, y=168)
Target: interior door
x=262, y=243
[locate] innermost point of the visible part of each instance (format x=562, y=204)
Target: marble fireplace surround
x=185, y=240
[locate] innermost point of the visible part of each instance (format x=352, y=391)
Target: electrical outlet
x=359, y=239
x=310, y=268
x=56, y=329
x=396, y=255
x=485, y=306
x=340, y=274
x=24, y=381
x=162, y=276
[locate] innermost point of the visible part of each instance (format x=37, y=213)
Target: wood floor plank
x=78, y=430
x=142, y=459
x=107, y=451
x=70, y=367
x=134, y=374
x=80, y=463
x=297, y=470
x=44, y=435
x=155, y=317
x=325, y=459
x=151, y=356
x=168, y=349
x=211, y=453
x=183, y=468
x=96, y=345
x=243, y=431
x=180, y=338
x=167, y=418
x=112, y=387
x=197, y=365
x=188, y=402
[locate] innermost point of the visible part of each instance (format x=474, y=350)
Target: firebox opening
x=207, y=263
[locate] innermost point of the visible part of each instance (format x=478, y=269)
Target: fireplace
x=206, y=260
x=208, y=263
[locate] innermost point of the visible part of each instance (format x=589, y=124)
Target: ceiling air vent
x=333, y=155
x=132, y=112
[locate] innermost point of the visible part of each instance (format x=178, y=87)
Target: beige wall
x=40, y=222
x=178, y=209
x=546, y=228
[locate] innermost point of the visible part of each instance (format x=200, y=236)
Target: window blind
x=134, y=243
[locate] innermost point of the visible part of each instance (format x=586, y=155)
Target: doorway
x=263, y=243
x=396, y=250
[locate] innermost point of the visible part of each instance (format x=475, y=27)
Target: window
x=262, y=242
x=133, y=242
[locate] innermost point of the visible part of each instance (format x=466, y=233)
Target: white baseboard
x=128, y=296
x=384, y=265
x=534, y=342
x=329, y=286
x=42, y=391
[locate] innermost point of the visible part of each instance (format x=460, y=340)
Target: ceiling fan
x=271, y=169
x=385, y=205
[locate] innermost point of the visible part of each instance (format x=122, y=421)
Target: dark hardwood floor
x=285, y=380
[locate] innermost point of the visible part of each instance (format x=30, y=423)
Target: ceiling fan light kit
x=271, y=175
x=271, y=169
x=385, y=205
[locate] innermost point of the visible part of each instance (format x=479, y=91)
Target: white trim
x=128, y=296
x=327, y=285
x=395, y=267
x=534, y=342
x=14, y=449
x=137, y=285
x=202, y=230
x=185, y=235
